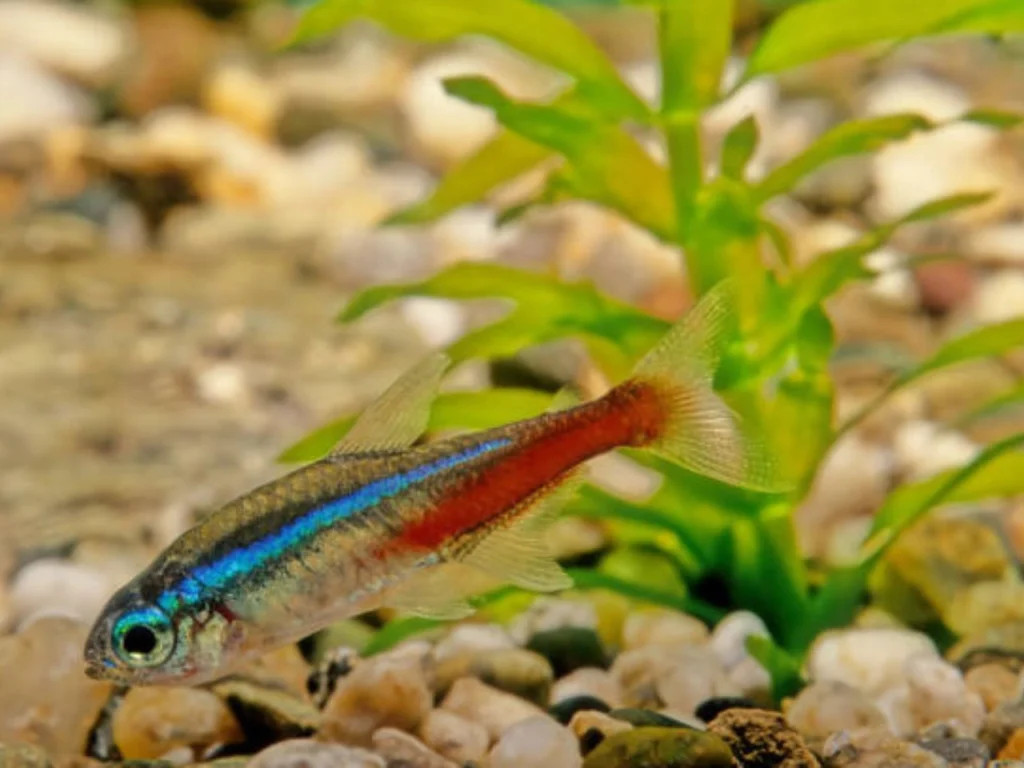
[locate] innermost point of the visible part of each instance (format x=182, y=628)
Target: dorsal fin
x=400, y=415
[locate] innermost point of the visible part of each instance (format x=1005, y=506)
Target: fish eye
x=143, y=637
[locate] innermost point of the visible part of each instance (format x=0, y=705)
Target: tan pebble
x=495, y=710
x=153, y=721
x=377, y=693
x=825, y=707
x=994, y=683
x=662, y=627
x=285, y=667
x=47, y=700
x=589, y=681
x=306, y=753
x=589, y=720
x=398, y=747
x=1014, y=748
x=454, y=736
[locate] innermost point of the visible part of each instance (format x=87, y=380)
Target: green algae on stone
x=662, y=747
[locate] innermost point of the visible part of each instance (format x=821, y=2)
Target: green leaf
x=545, y=309
x=782, y=667
x=994, y=472
x=451, y=410
x=605, y=163
x=500, y=160
x=994, y=118
x=814, y=30
x=586, y=578
x=541, y=33
x=988, y=341
x=695, y=38
x=644, y=567
x=739, y=146
x=850, y=138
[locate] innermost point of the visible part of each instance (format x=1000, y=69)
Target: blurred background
x=186, y=203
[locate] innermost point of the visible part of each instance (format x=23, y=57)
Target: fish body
x=380, y=522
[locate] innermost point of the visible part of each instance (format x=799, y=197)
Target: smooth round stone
x=305, y=753
x=960, y=753
x=663, y=747
x=514, y=670
x=824, y=708
x=454, y=737
x=662, y=627
x=150, y=722
x=538, y=742
x=869, y=659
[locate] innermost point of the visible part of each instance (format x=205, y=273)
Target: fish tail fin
x=675, y=411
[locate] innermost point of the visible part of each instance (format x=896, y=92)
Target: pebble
x=1000, y=724
x=152, y=721
x=537, y=742
x=382, y=691
x=305, y=753
x=1014, y=747
x=546, y=613
x=268, y=714
x=566, y=709
x=662, y=626
x=876, y=748
x=469, y=638
x=825, y=707
x=960, y=753
x=58, y=586
x=680, y=677
x=47, y=699
x=495, y=710
x=453, y=736
x=711, y=708
x=35, y=101
x=1000, y=297
x=569, y=649
x=71, y=40
x=521, y=672
x=924, y=448
x=399, y=748
x=588, y=681
x=729, y=638
x=592, y=727
x=663, y=747
x=23, y=756
x=937, y=693
x=993, y=683
x=760, y=737
x=869, y=659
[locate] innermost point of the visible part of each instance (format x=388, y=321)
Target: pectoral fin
x=438, y=592
x=399, y=416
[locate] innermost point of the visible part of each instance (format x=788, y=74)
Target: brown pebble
x=758, y=737
x=495, y=710
x=454, y=737
x=1014, y=748
x=994, y=683
x=399, y=748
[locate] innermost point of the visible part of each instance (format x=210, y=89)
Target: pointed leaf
x=541, y=33
x=988, y=341
x=586, y=578
x=850, y=138
x=606, y=164
x=782, y=667
x=695, y=41
x=546, y=309
x=500, y=160
x=739, y=146
x=996, y=471
x=819, y=28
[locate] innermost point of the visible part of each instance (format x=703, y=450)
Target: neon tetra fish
x=381, y=523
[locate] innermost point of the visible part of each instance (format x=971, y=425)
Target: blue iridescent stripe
x=245, y=560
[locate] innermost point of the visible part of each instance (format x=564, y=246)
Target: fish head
x=138, y=641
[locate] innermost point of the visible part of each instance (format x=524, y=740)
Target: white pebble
x=729, y=638
x=52, y=586
x=868, y=659
x=538, y=742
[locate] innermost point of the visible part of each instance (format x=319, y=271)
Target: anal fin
x=518, y=552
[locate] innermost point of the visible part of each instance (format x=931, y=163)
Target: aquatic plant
x=777, y=371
